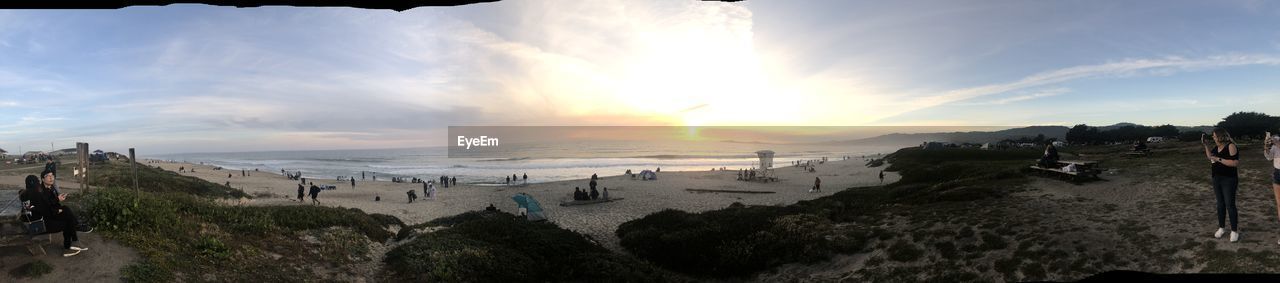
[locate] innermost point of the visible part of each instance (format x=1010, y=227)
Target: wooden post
x=133, y=165
x=82, y=157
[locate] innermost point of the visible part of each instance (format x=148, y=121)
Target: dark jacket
x=44, y=203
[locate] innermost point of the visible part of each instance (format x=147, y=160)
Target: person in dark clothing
x=817, y=184
x=882, y=176
x=594, y=193
x=353, y=183
x=301, y=194
x=1224, y=157
x=525, y=176
x=1050, y=158
x=51, y=167
x=454, y=180
x=413, y=195
x=46, y=203
x=593, y=177
x=592, y=184
x=577, y=193
x=508, y=180
x=315, y=192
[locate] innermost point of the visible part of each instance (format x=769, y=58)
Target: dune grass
x=182, y=234
x=740, y=241
x=489, y=246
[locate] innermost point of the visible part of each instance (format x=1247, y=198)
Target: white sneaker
x=70, y=252
x=79, y=248
x=1235, y=237
x=1219, y=233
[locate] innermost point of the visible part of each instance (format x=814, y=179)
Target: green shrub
x=736, y=241
x=993, y=242
x=150, y=179
x=497, y=246
x=34, y=269
x=903, y=251
x=146, y=271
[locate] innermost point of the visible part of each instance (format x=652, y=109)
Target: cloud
x=1041, y=94
x=1120, y=69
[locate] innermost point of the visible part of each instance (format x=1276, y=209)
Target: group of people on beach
x=593, y=194
x=513, y=178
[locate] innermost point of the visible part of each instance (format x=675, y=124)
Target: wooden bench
x=15, y=232
x=1138, y=153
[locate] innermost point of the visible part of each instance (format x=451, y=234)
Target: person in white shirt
x=1271, y=149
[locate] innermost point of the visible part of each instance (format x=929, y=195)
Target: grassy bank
x=184, y=235
x=485, y=246
x=739, y=241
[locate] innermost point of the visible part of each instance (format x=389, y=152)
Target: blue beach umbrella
x=531, y=206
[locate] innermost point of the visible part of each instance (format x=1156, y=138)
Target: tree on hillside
x=1165, y=130
x=1076, y=134
x=1248, y=124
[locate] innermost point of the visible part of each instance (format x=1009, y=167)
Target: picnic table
x=1138, y=153
x=1085, y=170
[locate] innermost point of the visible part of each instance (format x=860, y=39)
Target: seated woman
x=46, y=204
x=1050, y=158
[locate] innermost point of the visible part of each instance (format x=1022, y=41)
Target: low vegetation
x=31, y=270
x=183, y=235
x=489, y=246
x=740, y=241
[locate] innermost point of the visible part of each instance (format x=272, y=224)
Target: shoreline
x=596, y=220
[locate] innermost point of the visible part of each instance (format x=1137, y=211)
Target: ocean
x=542, y=162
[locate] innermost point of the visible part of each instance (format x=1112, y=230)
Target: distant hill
x=898, y=139
x=1058, y=132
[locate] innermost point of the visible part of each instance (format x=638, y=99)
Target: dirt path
x=103, y=262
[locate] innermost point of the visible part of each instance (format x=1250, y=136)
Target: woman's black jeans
x=1224, y=191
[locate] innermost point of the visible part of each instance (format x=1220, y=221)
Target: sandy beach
x=596, y=220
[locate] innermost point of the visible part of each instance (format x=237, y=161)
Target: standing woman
x=1272, y=151
x=1224, y=158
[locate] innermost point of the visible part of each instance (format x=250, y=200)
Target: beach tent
x=530, y=205
x=648, y=175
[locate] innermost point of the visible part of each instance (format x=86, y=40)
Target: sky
x=196, y=78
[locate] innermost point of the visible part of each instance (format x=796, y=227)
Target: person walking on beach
x=353, y=183
x=882, y=176
x=431, y=191
x=454, y=180
x=315, y=193
x=508, y=180
x=1224, y=158
x=526, y=177
x=817, y=185
x=300, y=193
x=1271, y=149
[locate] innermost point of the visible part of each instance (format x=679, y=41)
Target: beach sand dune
x=596, y=220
